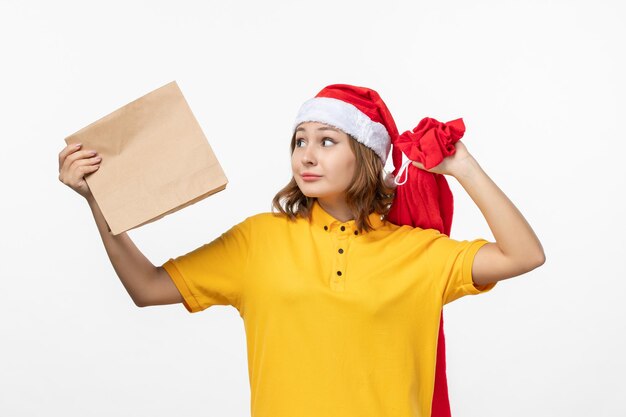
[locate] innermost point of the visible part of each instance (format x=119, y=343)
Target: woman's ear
x=387, y=178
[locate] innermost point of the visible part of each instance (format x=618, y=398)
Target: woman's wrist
x=466, y=168
x=90, y=199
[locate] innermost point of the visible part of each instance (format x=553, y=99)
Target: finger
x=69, y=170
x=74, y=177
x=88, y=161
x=70, y=154
x=88, y=169
x=66, y=151
x=80, y=171
x=418, y=164
x=76, y=156
x=79, y=163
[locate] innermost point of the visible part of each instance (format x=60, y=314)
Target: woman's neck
x=338, y=209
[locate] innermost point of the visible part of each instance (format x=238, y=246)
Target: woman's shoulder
x=406, y=232
x=405, y=228
x=268, y=219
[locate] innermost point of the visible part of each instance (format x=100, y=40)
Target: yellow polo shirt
x=339, y=323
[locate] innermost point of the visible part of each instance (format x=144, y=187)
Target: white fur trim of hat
x=348, y=118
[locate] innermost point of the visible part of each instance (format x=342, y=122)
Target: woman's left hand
x=450, y=164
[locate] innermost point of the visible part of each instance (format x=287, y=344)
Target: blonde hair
x=367, y=192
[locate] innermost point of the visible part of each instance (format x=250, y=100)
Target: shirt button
x=340, y=250
x=343, y=228
x=325, y=227
x=339, y=273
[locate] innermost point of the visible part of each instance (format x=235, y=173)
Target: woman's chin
x=309, y=194
x=309, y=190
x=314, y=191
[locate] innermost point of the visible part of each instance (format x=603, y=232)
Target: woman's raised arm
x=517, y=249
x=145, y=283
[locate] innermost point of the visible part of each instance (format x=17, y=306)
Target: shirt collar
x=322, y=219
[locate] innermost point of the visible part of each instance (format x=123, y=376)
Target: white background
x=539, y=85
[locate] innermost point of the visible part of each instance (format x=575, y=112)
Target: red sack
x=425, y=201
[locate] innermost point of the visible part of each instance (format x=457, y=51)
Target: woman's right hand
x=74, y=164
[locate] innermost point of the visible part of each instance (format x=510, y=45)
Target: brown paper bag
x=155, y=160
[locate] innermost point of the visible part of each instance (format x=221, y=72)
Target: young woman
x=341, y=307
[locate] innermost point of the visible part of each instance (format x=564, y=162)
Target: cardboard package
x=155, y=160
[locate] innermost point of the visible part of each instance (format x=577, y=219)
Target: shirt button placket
x=338, y=274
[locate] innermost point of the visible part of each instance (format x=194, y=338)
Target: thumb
x=419, y=165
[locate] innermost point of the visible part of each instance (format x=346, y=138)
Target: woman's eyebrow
x=301, y=129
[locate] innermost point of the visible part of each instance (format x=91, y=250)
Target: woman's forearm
x=513, y=235
x=132, y=267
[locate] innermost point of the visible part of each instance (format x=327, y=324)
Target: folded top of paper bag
x=155, y=159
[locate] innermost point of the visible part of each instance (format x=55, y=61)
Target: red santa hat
x=423, y=199
x=358, y=111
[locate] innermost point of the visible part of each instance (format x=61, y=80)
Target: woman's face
x=323, y=151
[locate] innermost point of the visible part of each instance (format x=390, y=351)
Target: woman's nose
x=308, y=156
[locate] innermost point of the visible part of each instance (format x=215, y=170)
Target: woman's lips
x=310, y=177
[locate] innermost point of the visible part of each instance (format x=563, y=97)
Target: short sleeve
x=213, y=274
x=451, y=262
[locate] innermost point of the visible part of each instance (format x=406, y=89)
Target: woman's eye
x=328, y=139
